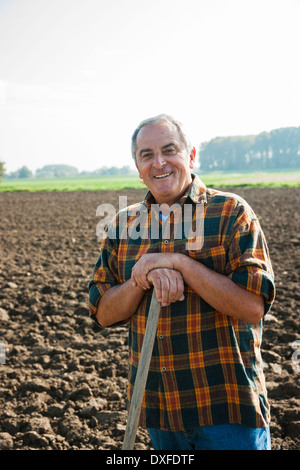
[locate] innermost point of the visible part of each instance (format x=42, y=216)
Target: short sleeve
x=248, y=262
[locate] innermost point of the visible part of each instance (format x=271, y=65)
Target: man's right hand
x=168, y=285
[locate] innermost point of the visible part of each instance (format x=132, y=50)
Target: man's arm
x=221, y=292
x=216, y=289
x=119, y=303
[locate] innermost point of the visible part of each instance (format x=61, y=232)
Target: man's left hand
x=168, y=285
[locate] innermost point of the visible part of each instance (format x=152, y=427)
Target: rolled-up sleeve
x=105, y=274
x=248, y=261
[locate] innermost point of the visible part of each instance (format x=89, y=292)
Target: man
x=205, y=388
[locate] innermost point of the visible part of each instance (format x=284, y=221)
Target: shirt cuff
x=258, y=282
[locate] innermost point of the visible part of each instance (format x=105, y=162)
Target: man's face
x=163, y=162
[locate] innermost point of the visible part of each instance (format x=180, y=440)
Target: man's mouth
x=162, y=176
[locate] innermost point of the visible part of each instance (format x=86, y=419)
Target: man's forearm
x=119, y=303
x=219, y=291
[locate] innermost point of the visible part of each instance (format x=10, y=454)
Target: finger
x=161, y=285
x=138, y=280
x=157, y=286
x=173, y=292
x=175, y=286
x=146, y=282
x=143, y=281
x=161, y=279
x=180, y=287
x=165, y=291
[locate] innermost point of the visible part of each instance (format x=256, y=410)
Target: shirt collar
x=196, y=192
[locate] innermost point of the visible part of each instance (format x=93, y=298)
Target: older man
x=205, y=388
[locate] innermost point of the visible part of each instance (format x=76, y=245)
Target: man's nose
x=159, y=160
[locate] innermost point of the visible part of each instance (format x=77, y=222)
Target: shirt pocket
x=129, y=254
x=214, y=258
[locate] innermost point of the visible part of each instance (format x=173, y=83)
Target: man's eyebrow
x=144, y=150
x=171, y=144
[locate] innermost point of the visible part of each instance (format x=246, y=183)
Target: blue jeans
x=220, y=437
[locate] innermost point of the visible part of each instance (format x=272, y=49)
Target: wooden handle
x=142, y=374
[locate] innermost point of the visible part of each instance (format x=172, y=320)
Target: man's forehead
x=158, y=133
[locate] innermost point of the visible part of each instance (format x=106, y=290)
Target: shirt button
x=163, y=369
x=166, y=242
x=161, y=336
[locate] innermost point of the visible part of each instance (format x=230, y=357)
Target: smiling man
x=164, y=161
x=205, y=388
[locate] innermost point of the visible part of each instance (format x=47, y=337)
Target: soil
x=63, y=382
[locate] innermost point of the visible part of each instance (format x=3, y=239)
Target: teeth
x=162, y=176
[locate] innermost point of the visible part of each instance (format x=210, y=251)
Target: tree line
x=277, y=149
x=274, y=150
x=65, y=171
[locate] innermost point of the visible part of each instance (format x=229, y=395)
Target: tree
x=113, y=170
x=278, y=149
x=24, y=172
x=56, y=171
x=2, y=170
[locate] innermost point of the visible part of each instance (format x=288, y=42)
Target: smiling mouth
x=162, y=176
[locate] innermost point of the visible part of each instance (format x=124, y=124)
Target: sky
x=77, y=76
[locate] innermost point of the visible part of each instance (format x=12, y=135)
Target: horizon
x=133, y=168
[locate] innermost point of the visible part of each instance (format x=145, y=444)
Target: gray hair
x=155, y=120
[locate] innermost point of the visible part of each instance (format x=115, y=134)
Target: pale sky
x=77, y=76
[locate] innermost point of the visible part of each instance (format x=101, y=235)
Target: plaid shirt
x=206, y=367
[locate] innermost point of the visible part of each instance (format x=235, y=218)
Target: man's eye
x=170, y=151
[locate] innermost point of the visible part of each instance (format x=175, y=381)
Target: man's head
x=164, y=158
x=156, y=120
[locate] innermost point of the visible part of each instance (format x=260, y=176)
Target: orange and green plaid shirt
x=206, y=367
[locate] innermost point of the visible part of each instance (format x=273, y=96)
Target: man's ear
x=192, y=157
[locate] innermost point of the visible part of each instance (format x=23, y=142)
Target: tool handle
x=142, y=374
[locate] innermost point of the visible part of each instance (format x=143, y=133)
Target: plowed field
x=63, y=382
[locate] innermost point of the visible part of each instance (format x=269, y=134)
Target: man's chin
x=164, y=197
